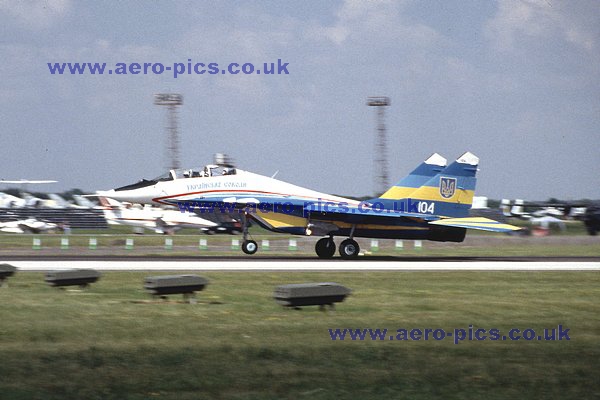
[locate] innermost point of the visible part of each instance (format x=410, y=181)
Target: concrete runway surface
x=154, y=264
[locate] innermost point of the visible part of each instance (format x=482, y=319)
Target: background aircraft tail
x=450, y=192
x=108, y=202
x=83, y=201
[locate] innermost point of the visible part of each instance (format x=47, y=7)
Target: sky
x=516, y=82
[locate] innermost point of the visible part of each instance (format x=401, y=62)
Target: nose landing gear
x=248, y=246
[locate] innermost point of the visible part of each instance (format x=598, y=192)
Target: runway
x=201, y=264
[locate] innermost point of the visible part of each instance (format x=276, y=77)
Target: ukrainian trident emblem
x=447, y=187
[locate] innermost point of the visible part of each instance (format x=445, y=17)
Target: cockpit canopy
x=210, y=170
x=207, y=171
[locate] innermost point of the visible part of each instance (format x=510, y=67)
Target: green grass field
x=112, y=342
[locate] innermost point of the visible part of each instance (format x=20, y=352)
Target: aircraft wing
x=371, y=216
x=480, y=223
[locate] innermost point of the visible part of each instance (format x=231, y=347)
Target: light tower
x=380, y=157
x=171, y=101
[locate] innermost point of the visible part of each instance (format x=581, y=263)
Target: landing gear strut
x=248, y=246
x=349, y=248
x=325, y=247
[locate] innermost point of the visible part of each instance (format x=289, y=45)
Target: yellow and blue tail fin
x=419, y=176
x=450, y=192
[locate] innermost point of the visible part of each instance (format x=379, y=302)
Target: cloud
x=35, y=14
x=520, y=20
x=374, y=22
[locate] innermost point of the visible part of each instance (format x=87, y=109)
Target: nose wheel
x=349, y=249
x=249, y=246
x=325, y=247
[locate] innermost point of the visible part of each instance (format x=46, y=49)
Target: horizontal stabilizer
x=483, y=224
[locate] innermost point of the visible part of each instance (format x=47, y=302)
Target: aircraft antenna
x=172, y=101
x=380, y=157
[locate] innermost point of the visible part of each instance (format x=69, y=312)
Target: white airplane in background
x=517, y=209
x=84, y=202
x=10, y=201
x=32, y=201
x=148, y=217
x=7, y=200
x=29, y=225
x=26, y=181
x=28, y=201
x=57, y=201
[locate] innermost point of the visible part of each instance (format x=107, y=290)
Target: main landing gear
x=325, y=247
x=349, y=248
x=248, y=246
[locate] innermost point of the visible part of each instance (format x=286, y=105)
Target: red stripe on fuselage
x=159, y=199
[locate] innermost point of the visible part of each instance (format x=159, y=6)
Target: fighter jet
x=431, y=203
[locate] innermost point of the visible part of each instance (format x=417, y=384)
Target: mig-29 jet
x=431, y=203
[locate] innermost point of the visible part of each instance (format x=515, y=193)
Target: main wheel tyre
x=349, y=249
x=325, y=248
x=249, y=246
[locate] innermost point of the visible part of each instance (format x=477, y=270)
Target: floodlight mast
x=171, y=101
x=380, y=156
